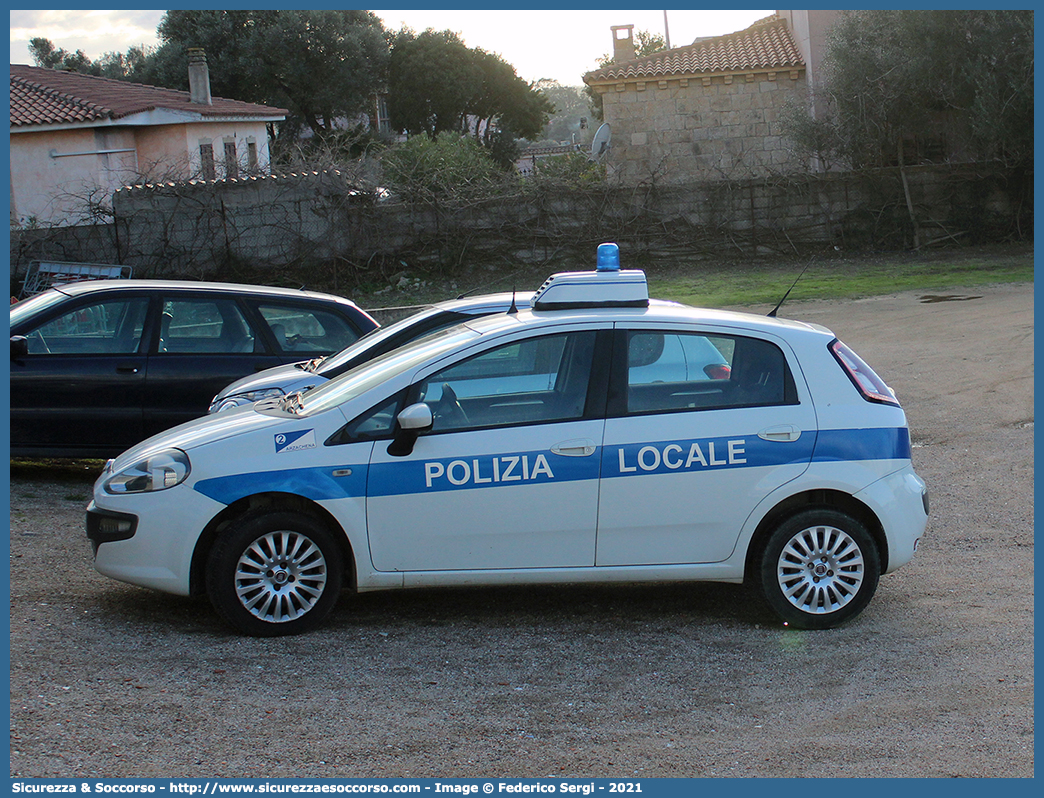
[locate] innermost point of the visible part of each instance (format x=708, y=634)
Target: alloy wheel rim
x=820, y=570
x=280, y=576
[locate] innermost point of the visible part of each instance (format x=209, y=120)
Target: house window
x=206, y=156
x=231, y=162
x=252, y=164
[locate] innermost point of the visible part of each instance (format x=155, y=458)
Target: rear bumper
x=900, y=501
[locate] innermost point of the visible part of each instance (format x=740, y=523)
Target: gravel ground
x=935, y=678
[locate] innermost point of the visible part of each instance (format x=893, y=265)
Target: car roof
x=84, y=287
x=502, y=301
x=485, y=302
x=656, y=312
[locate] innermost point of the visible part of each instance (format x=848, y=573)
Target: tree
x=447, y=167
x=505, y=102
x=906, y=86
x=131, y=66
x=438, y=84
x=45, y=55
x=323, y=66
x=320, y=65
x=570, y=120
x=431, y=78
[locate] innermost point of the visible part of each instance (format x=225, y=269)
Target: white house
x=77, y=138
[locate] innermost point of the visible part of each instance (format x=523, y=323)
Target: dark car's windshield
x=34, y=304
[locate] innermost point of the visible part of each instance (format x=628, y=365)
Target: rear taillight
x=718, y=371
x=872, y=387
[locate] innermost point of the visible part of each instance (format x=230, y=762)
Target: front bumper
x=150, y=540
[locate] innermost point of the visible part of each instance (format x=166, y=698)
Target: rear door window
x=674, y=371
x=205, y=326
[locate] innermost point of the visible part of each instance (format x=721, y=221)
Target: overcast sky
x=556, y=44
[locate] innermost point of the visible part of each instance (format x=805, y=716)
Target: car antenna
x=514, y=308
x=772, y=313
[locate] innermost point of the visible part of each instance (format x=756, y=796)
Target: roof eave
x=152, y=117
x=612, y=81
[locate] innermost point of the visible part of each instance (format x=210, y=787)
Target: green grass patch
x=841, y=278
x=57, y=469
x=730, y=280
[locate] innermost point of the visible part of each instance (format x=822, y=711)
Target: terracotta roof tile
x=50, y=96
x=767, y=44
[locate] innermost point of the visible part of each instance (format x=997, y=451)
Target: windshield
x=34, y=304
x=360, y=380
x=371, y=341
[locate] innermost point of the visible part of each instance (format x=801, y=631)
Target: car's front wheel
x=274, y=572
x=819, y=568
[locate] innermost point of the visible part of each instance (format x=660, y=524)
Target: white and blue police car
x=593, y=437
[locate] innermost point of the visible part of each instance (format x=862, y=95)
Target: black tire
x=819, y=568
x=274, y=572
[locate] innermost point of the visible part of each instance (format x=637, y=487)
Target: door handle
x=128, y=368
x=578, y=447
x=784, y=433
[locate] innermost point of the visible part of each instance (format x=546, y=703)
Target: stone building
x=712, y=109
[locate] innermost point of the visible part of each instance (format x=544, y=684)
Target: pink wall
x=72, y=187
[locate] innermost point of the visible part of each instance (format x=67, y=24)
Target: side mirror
x=412, y=421
x=19, y=347
x=416, y=417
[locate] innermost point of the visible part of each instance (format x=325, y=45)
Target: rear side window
x=302, y=329
x=870, y=386
x=672, y=371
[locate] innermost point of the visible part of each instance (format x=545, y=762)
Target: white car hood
x=288, y=378
x=205, y=430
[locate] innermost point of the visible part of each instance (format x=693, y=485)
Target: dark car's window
x=204, y=326
x=538, y=380
x=302, y=329
x=668, y=371
x=384, y=339
x=108, y=327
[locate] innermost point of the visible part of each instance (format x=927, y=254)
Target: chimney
x=623, y=45
x=199, y=76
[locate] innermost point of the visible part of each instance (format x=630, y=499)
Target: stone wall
x=701, y=128
x=277, y=230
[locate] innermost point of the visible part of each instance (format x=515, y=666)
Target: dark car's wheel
x=819, y=568
x=274, y=572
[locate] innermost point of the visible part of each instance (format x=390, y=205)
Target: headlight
x=240, y=399
x=157, y=472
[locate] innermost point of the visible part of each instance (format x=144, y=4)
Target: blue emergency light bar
x=608, y=286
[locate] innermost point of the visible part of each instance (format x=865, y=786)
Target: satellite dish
x=602, y=141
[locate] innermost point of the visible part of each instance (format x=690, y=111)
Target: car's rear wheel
x=819, y=568
x=274, y=572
